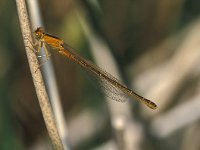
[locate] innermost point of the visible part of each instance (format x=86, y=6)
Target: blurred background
x=156, y=45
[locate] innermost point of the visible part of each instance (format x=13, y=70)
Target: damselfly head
x=39, y=33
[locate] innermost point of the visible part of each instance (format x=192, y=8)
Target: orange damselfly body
x=108, y=82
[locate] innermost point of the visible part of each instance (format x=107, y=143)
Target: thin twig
x=37, y=78
x=49, y=76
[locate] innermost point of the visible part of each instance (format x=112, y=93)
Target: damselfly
x=107, y=80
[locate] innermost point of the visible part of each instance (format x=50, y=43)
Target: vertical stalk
x=37, y=77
